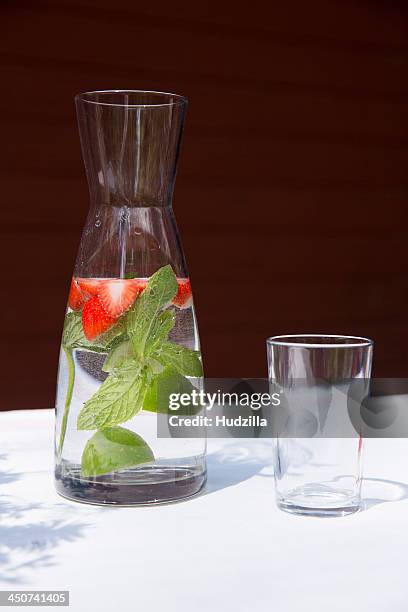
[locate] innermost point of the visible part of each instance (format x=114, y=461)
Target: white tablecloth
x=229, y=549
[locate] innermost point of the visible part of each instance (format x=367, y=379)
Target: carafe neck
x=130, y=144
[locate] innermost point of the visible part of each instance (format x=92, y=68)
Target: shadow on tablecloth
x=380, y=491
x=236, y=462
x=26, y=543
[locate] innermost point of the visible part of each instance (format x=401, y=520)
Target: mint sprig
x=144, y=353
x=143, y=368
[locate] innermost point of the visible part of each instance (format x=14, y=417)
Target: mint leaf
x=73, y=333
x=162, y=326
x=184, y=360
x=157, y=398
x=118, y=356
x=141, y=320
x=117, y=400
x=113, y=449
x=115, y=335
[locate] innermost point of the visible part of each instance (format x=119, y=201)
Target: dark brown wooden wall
x=291, y=195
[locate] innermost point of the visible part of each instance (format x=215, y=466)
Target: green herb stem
x=70, y=388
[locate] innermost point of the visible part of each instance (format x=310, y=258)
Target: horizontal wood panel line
x=271, y=228
x=251, y=134
x=369, y=280
x=42, y=227
x=206, y=27
x=362, y=281
x=249, y=327
x=203, y=186
x=232, y=82
x=51, y=340
x=289, y=184
x=303, y=230
x=363, y=140
x=209, y=193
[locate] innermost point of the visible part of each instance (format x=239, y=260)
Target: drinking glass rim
x=179, y=100
x=289, y=340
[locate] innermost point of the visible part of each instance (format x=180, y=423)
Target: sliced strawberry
x=90, y=286
x=95, y=320
x=76, y=298
x=117, y=295
x=184, y=297
x=141, y=283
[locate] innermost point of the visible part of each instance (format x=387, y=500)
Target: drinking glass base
x=137, y=487
x=319, y=504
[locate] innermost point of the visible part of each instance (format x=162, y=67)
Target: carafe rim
x=165, y=99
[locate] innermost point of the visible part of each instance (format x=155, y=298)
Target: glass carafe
x=130, y=326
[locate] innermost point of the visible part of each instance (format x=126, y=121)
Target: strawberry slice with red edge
x=141, y=283
x=95, y=319
x=76, y=298
x=90, y=286
x=117, y=295
x=184, y=297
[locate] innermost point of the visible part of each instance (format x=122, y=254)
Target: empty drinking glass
x=317, y=452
